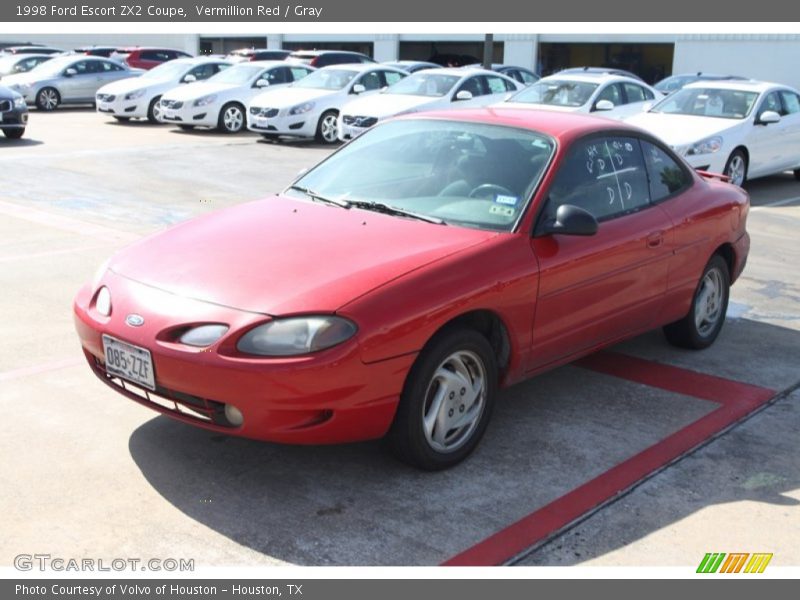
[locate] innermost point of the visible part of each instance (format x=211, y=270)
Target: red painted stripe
x=736, y=399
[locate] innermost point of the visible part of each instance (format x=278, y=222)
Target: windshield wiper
x=393, y=210
x=319, y=198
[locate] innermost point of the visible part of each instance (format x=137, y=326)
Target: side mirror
x=70, y=72
x=359, y=88
x=262, y=83
x=189, y=79
x=767, y=117
x=572, y=220
x=604, y=105
x=464, y=95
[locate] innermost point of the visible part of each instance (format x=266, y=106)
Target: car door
x=765, y=140
x=595, y=289
x=611, y=92
x=791, y=115
x=635, y=101
x=471, y=85
x=204, y=71
x=79, y=86
x=371, y=80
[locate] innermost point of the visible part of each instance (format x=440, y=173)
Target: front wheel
x=154, y=110
x=328, y=128
x=447, y=401
x=13, y=134
x=231, y=118
x=736, y=167
x=48, y=99
x=701, y=326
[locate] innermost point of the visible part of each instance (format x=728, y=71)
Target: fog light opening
x=234, y=415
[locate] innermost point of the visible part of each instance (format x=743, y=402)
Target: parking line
x=783, y=202
x=736, y=400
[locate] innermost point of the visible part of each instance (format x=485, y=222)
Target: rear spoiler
x=709, y=175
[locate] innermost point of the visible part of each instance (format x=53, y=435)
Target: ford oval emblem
x=134, y=320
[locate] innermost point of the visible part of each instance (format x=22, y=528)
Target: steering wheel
x=486, y=190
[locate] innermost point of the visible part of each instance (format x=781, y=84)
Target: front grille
x=173, y=104
x=5, y=105
x=358, y=121
x=185, y=405
x=106, y=97
x=267, y=113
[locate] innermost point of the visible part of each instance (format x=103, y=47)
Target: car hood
x=680, y=130
x=386, y=105
x=283, y=255
x=199, y=89
x=25, y=78
x=289, y=96
x=133, y=83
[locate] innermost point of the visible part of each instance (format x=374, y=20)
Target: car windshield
x=238, y=74
x=708, y=102
x=167, y=70
x=53, y=66
x=556, y=92
x=327, y=79
x=462, y=173
x=676, y=82
x=425, y=84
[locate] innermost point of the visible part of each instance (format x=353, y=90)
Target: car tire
x=123, y=119
x=328, y=128
x=13, y=134
x=702, y=324
x=232, y=118
x=186, y=127
x=48, y=99
x=447, y=401
x=154, y=110
x=736, y=167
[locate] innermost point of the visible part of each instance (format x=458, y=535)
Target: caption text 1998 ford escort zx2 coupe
x=396, y=286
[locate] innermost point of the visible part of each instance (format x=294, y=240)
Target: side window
x=666, y=176
x=202, y=72
x=110, y=67
x=148, y=55
x=527, y=78
x=472, y=86
x=299, y=72
x=612, y=93
x=771, y=102
x=391, y=77
x=791, y=102
x=603, y=175
x=635, y=93
x=323, y=60
x=82, y=67
x=497, y=85
x=371, y=81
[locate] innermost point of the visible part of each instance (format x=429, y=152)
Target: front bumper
x=279, y=122
x=329, y=397
x=115, y=104
x=713, y=163
x=185, y=113
x=350, y=127
x=12, y=118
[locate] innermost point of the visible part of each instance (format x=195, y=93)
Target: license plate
x=105, y=106
x=261, y=122
x=129, y=362
x=169, y=114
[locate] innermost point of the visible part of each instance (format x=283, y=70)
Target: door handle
x=655, y=239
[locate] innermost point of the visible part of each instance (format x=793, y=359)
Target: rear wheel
x=154, y=110
x=231, y=118
x=328, y=128
x=48, y=99
x=702, y=324
x=447, y=401
x=736, y=167
x=13, y=134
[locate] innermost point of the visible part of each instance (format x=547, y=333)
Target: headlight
x=102, y=302
x=19, y=103
x=301, y=108
x=706, y=146
x=205, y=100
x=136, y=94
x=203, y=335
x=295, y=336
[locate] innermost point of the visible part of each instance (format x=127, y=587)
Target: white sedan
x=310, y=107
x=426, y=90
x=743, y=129
x=221, y=100
x=608, y=94
x=139, y=98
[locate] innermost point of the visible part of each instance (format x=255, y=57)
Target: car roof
x=319, y=52
x=751, y=85
x=26, y=56
x=563, y=126
x=356, y=67
x=590, y=78
x=127, y=49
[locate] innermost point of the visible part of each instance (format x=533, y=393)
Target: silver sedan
x=67, y=80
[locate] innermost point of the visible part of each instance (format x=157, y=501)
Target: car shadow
x=19, y=143
x=780, y=187
x=356, y=505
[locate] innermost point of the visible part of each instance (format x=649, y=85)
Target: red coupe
x=396, y=286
